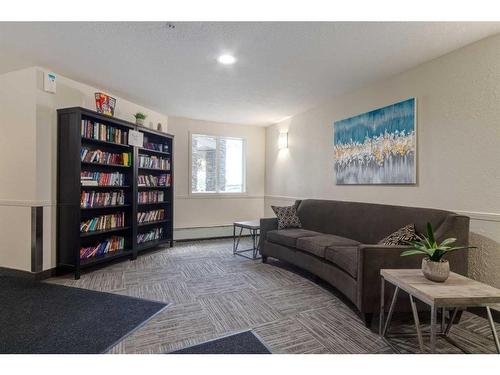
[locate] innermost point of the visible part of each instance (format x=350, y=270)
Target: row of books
x=150, y=180
x=147, y=161
x=101, y=199
x=89, y=178
x=149, y=216
x=109, y=245
x=94, y=130
x=151, y=235
x=103, y=157
x=154, y=196
x=103, y=222
x=155, y=146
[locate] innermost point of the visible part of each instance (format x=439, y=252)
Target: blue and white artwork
x=377, y=147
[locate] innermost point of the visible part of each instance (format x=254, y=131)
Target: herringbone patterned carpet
x=213, y=293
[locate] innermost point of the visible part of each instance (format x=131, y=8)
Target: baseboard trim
x=209, y=238
x=35, y=276
x=199, y=233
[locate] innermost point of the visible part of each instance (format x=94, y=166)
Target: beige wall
x=17, y=166
x=458, y=146
x=198, y=211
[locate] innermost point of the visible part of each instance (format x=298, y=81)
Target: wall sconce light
x=283, y=140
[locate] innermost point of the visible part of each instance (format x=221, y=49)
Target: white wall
x=201, y=211
x=458, y=100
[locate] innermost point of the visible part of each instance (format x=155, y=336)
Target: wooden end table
x=456, y=292
x=254, y=227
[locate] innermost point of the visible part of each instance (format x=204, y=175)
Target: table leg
x=417, y=323
x=382, y=305
x=450, y=323
x=238, y=241
x=433, y=329
x=391, y=310
x=493, y=329
x=254, y=248
x=234, y=239
x=443, y=320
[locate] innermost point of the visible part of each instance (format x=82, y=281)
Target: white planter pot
x=139, y=121
x=435, y=271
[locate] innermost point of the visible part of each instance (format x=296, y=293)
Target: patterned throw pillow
x=287, y=217
x=401, y=236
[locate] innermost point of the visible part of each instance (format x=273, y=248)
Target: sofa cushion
x=400, y=237
x=287, y=217
x=344, y=257
x=288, y=237
x=317, y=245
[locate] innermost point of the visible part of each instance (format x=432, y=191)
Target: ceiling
x=282, y=68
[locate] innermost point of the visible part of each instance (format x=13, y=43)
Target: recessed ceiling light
x=226, y=59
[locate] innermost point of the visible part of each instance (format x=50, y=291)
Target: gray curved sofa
x=338, y=243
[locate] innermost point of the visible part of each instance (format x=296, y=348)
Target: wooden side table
x=456, y=292
x=254, y=228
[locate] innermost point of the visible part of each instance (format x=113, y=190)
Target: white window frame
x=217, y=137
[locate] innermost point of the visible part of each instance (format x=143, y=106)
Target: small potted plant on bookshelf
x=434, y=267
x=139, y=118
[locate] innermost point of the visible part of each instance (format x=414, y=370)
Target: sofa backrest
x=364, y=222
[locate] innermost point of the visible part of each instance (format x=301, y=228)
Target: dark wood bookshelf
x=69, y=189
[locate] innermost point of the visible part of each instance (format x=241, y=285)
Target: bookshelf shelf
x=147, y=150
x=154, y=169
x=90, y=187
x=152, y=203
x=76, y=128
x=106, y=143
x=105, y=207
x=101, y=232
x=151, y=244
x=104, y=258
x=105, y=165
x=149, y=223
x=153, y=187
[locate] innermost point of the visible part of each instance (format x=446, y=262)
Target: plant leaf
x=430, y=234
x=447, y=241
x=460, y=248
x=413, y=252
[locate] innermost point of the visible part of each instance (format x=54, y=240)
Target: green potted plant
x=139, y=118
x=434, y=267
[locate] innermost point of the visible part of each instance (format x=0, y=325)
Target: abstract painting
x=377, y=147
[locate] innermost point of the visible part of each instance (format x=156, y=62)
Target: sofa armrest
x=266, y=224
x=373, y=258
x=456, y=226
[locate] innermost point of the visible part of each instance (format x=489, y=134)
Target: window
x=217, y=164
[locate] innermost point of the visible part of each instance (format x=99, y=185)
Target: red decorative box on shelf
x=105, y=104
